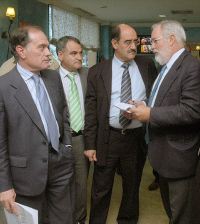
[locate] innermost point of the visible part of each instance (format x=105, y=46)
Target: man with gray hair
x=74, y=80
x=172, y=117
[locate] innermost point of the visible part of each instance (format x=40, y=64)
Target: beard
x=160, y=59
x=163, y=56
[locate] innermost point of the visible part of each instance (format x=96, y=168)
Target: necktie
x=76, y=119
x=53, y=135
x=125, y=94
x=153, y=91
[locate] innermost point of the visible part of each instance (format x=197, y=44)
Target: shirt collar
x=119, y=63
x=64, y=72
x=26, y=74
x=174, y=58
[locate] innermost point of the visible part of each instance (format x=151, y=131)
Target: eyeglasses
x=155, y=41
x=130, y=42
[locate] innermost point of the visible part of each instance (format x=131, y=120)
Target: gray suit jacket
x=98, y=99
x=174, y=126
x=23, y=142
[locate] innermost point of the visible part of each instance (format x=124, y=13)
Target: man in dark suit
x=36, y=160
x=108, y=141
x=173, y=116
x=69, y=50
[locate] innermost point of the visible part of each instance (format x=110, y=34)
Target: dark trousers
x=129, y=152
x=56, y=203
x=176, y=196
x=196, y=197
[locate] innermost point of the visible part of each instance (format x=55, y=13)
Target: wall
x=4, y=24
x=30, y=11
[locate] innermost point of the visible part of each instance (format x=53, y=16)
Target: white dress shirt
x=66, y=86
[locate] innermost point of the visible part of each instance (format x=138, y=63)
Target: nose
x=48, y=52
x=79, y=56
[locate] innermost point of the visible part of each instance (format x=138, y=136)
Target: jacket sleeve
x=182, y=106
x=5, y=174
x=91, y=121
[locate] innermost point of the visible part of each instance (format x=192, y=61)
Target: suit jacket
x=83, y=77
x=23, y=141
x=174, y=120
x=98, y=99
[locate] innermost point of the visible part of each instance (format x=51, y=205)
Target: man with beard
x=173, y=116
x=110, y=140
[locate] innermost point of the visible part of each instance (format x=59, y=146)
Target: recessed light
x=162, y=15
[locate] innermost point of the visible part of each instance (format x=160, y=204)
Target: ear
x=60, y=55
x=172, y=40
x=20, y=51
x=114, y=43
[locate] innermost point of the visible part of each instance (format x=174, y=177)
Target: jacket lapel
x=83, y=77
x=24, y=98
x=169, y=79
x=106, y=74
x=143, y=71
x=52, y=89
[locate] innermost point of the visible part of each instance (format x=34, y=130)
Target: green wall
x=30, y=11
x=4, y=24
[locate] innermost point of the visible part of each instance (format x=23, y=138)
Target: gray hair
x=170, y=27
x=61, y=43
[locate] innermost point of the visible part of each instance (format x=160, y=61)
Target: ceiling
x=136, y=12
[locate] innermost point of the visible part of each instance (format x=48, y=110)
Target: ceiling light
x=162, y=16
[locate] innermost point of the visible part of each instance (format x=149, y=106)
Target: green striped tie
x=76, y=118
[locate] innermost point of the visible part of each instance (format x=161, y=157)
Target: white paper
x=27, y=215
x=124, y=106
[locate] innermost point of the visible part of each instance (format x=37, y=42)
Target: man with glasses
x=173, y=116
x=110, y=140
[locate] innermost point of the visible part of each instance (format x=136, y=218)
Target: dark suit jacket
x=83, y=77
x=23, y=141
x=98, y=103
x=174, y=120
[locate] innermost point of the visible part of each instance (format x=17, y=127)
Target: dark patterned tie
x=126, y=94
x=53, y=135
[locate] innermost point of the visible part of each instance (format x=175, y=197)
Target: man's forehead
x=72, y=45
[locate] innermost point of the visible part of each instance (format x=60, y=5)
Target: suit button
x=44, y=160
x=44, y=142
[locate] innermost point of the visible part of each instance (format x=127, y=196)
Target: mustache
x=132, y=51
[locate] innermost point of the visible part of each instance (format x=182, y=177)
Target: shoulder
x=143, y=59
x=83, y=71
x=101, y=66
x=49, y=73
x=7, y=66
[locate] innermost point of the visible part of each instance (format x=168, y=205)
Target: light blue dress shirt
x=137, y=87
x=27, y=77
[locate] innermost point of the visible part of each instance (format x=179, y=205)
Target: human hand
x=7, y=198
x=140, y=112
x=91, y=155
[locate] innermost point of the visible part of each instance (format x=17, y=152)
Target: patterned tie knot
x=125, y=65
x=71, y=75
